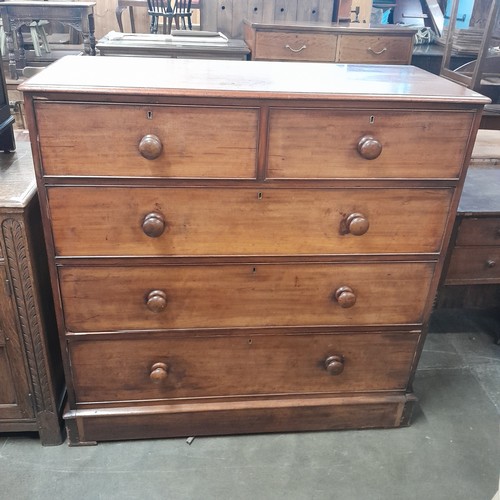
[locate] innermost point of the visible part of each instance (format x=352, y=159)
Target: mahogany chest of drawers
x=236, y=250
x=326, y=42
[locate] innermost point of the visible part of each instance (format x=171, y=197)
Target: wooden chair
x=179, y=12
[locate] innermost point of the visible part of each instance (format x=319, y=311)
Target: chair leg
x=169, y=26
x=43, y=36
x=34, y=39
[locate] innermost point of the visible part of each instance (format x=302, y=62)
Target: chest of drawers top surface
x=246, y=79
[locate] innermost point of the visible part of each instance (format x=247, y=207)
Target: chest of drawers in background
x=326, y=42
x=235, y=250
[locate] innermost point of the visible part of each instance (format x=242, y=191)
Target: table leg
x=88, y=29
x=20, y=48
x=12, y=54
x=119, y=10
x=92, y=34
x=132, y=20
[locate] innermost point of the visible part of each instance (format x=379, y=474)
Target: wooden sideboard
x=31, y=375
x=221, y=266
x=327, y=42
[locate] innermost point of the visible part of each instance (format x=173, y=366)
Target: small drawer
x=289, y=46
x=162, y=367
x=340, y=143
x=243, y=295
x=147, y=141
x=102, y=221
x=369, y=49
x=474, y=265
x=479, y=232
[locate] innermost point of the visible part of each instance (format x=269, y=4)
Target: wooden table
x=15, y=15
x=149, y=45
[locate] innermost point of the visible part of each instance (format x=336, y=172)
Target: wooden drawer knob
x=369, y=148
x=156, y=301
x=159, y=372
x=334, y=365
x=490, y=263
x=153, y=225
x=357, y=224
x=150, y=147
x=345, y=297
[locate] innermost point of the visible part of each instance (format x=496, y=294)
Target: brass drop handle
x=357, y=224
x=369, y=148
x=300, y=49
x=153, y=224
x=334, y=365
x=490, y=263
x=345, y=296
x=377, y=52
x=156, y=301
x=150, y=147
x=159, y=372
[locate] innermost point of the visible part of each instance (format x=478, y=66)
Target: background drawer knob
x=357, y=224
x=369, y=148
x=334, y=365
x=490, y=263
x=153, y=225
x=150, y=147
x=156, y=301
x=345, y=297
x=159, y=372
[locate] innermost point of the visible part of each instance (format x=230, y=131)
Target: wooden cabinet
x=234, y=250
x=31, y=378
x=326, y=42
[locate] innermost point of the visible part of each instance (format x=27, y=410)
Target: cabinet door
x=14, y=387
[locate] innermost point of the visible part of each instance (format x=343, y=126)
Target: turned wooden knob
x=156, y=301
x=369, y=148
x=153, y=225
x=490, y=263
x=357, y=224
x=159, y=372
x=150, y=147
x=345, y=297
x=334, y=365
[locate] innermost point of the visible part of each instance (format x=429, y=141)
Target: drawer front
x=482, y=232
x=478, y=264
x=170, y=368
x=374, y=49
x=221, y=221
x=289, y=46
x=240, y=295
x=107, y=140
x=410, y=144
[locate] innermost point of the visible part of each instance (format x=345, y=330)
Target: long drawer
x=372, y=49
x=147, y=141
x=101, y=221
x=189, y=367
x=367, y=143
x=481, y=264
x=289, y=46
x=479, y=232
x=243, y=295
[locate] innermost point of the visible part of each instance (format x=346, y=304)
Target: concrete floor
x=451, y=450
